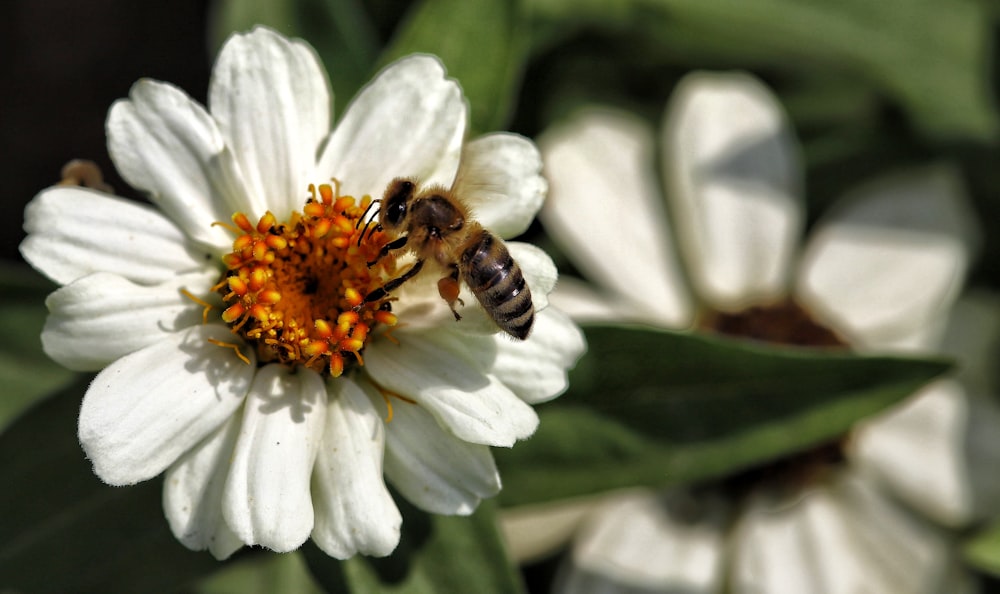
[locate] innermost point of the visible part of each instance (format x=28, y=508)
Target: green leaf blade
x=26, y=372
x=65, y=531
x=658, y=408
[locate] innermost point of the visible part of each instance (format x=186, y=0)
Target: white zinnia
x=882, y=270
x=265, y=453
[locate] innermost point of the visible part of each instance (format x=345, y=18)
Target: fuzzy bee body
x=496, y=280
x=435, y=225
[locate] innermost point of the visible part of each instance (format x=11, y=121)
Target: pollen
x=295, y=289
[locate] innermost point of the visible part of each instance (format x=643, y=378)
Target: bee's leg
x=448, y=287
x=393, y=284
x=392, y=245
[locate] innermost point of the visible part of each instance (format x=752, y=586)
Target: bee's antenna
x=368, y=222
x=365, y=214
x=369, y=228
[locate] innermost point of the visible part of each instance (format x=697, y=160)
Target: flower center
x=785, y=322
x=296, y=290
x=788, y=323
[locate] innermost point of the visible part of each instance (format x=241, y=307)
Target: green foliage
x=982, y=550
x=26, y=372
x=262, y=574
x=867, y=84
x=65, y=531
x=659, y=408
x=931, y=57
x=435, y=554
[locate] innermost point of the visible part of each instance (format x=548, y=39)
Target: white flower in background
x=272, y=421
x=879, y=273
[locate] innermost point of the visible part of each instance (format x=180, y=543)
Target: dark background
x=64, y=63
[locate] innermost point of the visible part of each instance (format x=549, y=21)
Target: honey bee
x=435, y=225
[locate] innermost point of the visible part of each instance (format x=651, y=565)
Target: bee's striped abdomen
x=496, y=281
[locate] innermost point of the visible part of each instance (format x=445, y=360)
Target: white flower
x=879, y=273
x=272, y=421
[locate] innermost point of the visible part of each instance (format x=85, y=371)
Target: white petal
x=73, y=232
x=272, y=100
x=432, y=468
x=166, y=144
x=103, y=317
x=431, y=368
x=538, y=530
x=146, y=409
x=605, y=210
x=536, y=368
x=888, y=265
x=582, y=302
x=671, y=543
x=192, y=493
x=937, y=452
x=734, y=175
x=500, y=179
x=539, y=271
x=354, y=511
x=842, y=539
x=267, y=498
x=405, y=123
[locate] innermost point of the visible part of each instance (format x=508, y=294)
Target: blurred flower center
x=786, y=323
x=296, y=289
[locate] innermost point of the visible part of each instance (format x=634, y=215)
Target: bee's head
x=395, y=202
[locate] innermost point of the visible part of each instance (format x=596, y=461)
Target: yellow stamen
x=386, y=395
x=231, y=345
x=295, y=289
x=206, y=305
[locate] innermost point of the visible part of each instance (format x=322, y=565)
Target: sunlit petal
x=451, y=386
x=500, y=179
x=73, y=232
x=605, y=208
x=192, y=493
x=845, y=538
x=354, y=511
x=405, y=123
x=536, y=368
x=272, y=100
x=434, y=469
x=671, y=543
x=102, y=317
x=887, y=266
x=166, y=144
x=147, y=408
x=733, y=169
x=266, y=499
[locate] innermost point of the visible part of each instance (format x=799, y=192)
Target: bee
x=435, y=225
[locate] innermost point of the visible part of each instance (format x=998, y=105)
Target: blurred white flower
x=272, y=421
x=879, y=273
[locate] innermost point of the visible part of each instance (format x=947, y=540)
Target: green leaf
x=659, y=408
x=65, y=531
x=933, y=58
x=481, y=43
x=339, y=30
x=982, y=550
x=435, y=554
x=26, y=372
x=262, y=574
